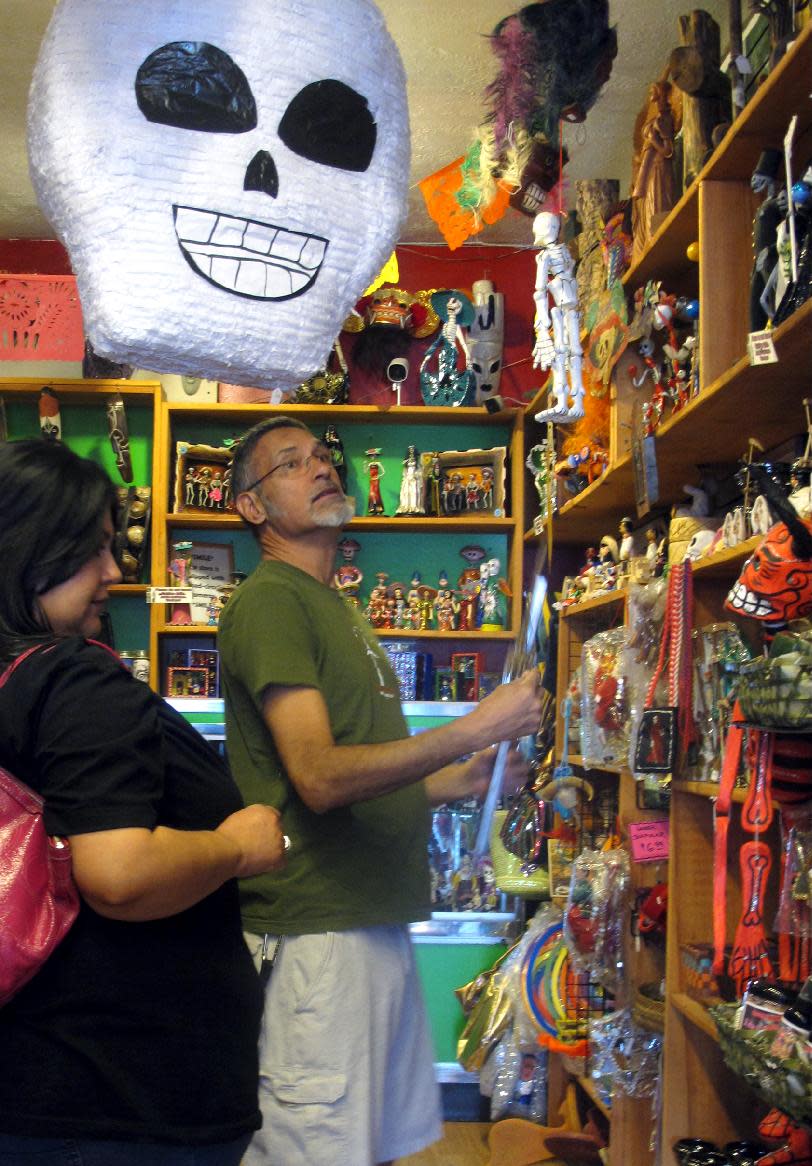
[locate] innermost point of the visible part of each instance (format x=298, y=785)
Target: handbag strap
x=18, y=660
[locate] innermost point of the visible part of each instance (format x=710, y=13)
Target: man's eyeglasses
x=294, y=465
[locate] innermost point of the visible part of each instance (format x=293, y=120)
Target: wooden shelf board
x=667, y=250
x=725, y=562
x=706, y=789
x=84, y=392
x=765, y=117
x=215, y=520
x=605, y=599
x=129, y=589
x=695, y=1013
x=172, y=629
x=396, y=414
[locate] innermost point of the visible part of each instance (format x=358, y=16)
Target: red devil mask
x=775, y=584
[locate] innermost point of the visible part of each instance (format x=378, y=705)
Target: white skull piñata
x=227, y=175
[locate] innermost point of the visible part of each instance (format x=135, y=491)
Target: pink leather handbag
x=38, y=898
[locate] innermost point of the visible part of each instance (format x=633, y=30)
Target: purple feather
x=511, y=96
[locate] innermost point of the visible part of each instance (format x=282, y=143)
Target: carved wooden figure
x=695, y=69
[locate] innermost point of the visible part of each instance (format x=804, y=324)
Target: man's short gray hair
x=243, y=470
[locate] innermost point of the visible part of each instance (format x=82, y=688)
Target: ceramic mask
x=226, y=175
x=485, y=337
x=775, y=584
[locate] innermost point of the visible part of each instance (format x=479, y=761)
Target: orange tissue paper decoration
x=458, y=223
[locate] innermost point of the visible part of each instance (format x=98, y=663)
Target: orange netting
x=40, y=318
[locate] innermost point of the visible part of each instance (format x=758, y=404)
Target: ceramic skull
x=227, y=175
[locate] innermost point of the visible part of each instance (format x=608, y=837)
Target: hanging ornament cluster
x=554, y=58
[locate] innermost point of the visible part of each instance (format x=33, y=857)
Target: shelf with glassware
x=82, y=412
x=435, y=546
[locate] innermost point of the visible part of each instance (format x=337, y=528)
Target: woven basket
x=776, y=693
x=648, y=1009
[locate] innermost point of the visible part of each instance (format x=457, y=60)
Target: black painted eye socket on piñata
x=195, y=86
x=330, y=123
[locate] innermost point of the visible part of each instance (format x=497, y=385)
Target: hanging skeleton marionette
x=557, y=323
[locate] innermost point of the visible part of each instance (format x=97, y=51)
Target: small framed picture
x=467, y=667
x=210, y=660
x=187, y=681
x=656, y=741
x=445, y=684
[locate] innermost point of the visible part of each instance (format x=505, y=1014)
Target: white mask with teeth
x=228, y=176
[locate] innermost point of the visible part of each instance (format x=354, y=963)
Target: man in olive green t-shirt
x=314, y=728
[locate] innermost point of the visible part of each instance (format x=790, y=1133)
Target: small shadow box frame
x=445, y=684
x=467, y=669
x=187, y=681
x=471, y=481
x=203, y=478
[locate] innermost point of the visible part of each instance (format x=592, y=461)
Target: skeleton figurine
x=558, y=344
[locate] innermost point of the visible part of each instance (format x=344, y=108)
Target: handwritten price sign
x=649, y=840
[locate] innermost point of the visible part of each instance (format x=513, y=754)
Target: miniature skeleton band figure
x=557, y=327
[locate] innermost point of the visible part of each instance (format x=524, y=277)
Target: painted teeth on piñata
x=248, y=257
x=746, y=601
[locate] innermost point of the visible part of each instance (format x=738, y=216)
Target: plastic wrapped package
x=605, y=698
x=597, y=914
x=719, y=653
x=624, y=1057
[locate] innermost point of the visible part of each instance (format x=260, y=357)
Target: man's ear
x=249, y=508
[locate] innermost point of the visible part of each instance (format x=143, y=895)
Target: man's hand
x=257, y=832
x=471, y=778
x=511, y=711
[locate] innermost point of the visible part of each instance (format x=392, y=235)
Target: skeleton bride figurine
x=557, y=326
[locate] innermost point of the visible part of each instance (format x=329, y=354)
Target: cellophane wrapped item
x=597, y=914
x=605, y=698
x=624, y=1057
x=514, y=1075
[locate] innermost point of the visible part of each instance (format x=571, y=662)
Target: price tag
x=760, y=348
x=169, y=595
x=649, y=840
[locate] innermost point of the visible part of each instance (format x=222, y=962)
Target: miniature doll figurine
x=448, y=384
x=215, y=499
x=606, y=570
x=376, y=471
x=800, y=480
x=335, y=445
x=411, y=485
x=627, y=548
x=492, y=605
x=769, y=215
x=433, y=486
x=486, y=490
x=651, y=548
x=473, y=493
x=179, y=568
x=558, y=343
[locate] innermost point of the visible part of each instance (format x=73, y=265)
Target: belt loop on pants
x=271, y=945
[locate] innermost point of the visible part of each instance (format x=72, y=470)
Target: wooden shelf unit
x=701, y=1096
x=178, y=419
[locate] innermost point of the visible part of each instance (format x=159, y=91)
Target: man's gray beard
x=339, y=513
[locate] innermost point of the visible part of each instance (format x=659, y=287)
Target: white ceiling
x=448, y=63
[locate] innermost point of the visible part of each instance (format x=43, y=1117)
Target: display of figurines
x=605, y=574
x=468, y=588
x=374, y=468
x=557, y=325
x=375, y=610
x=411, y=484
